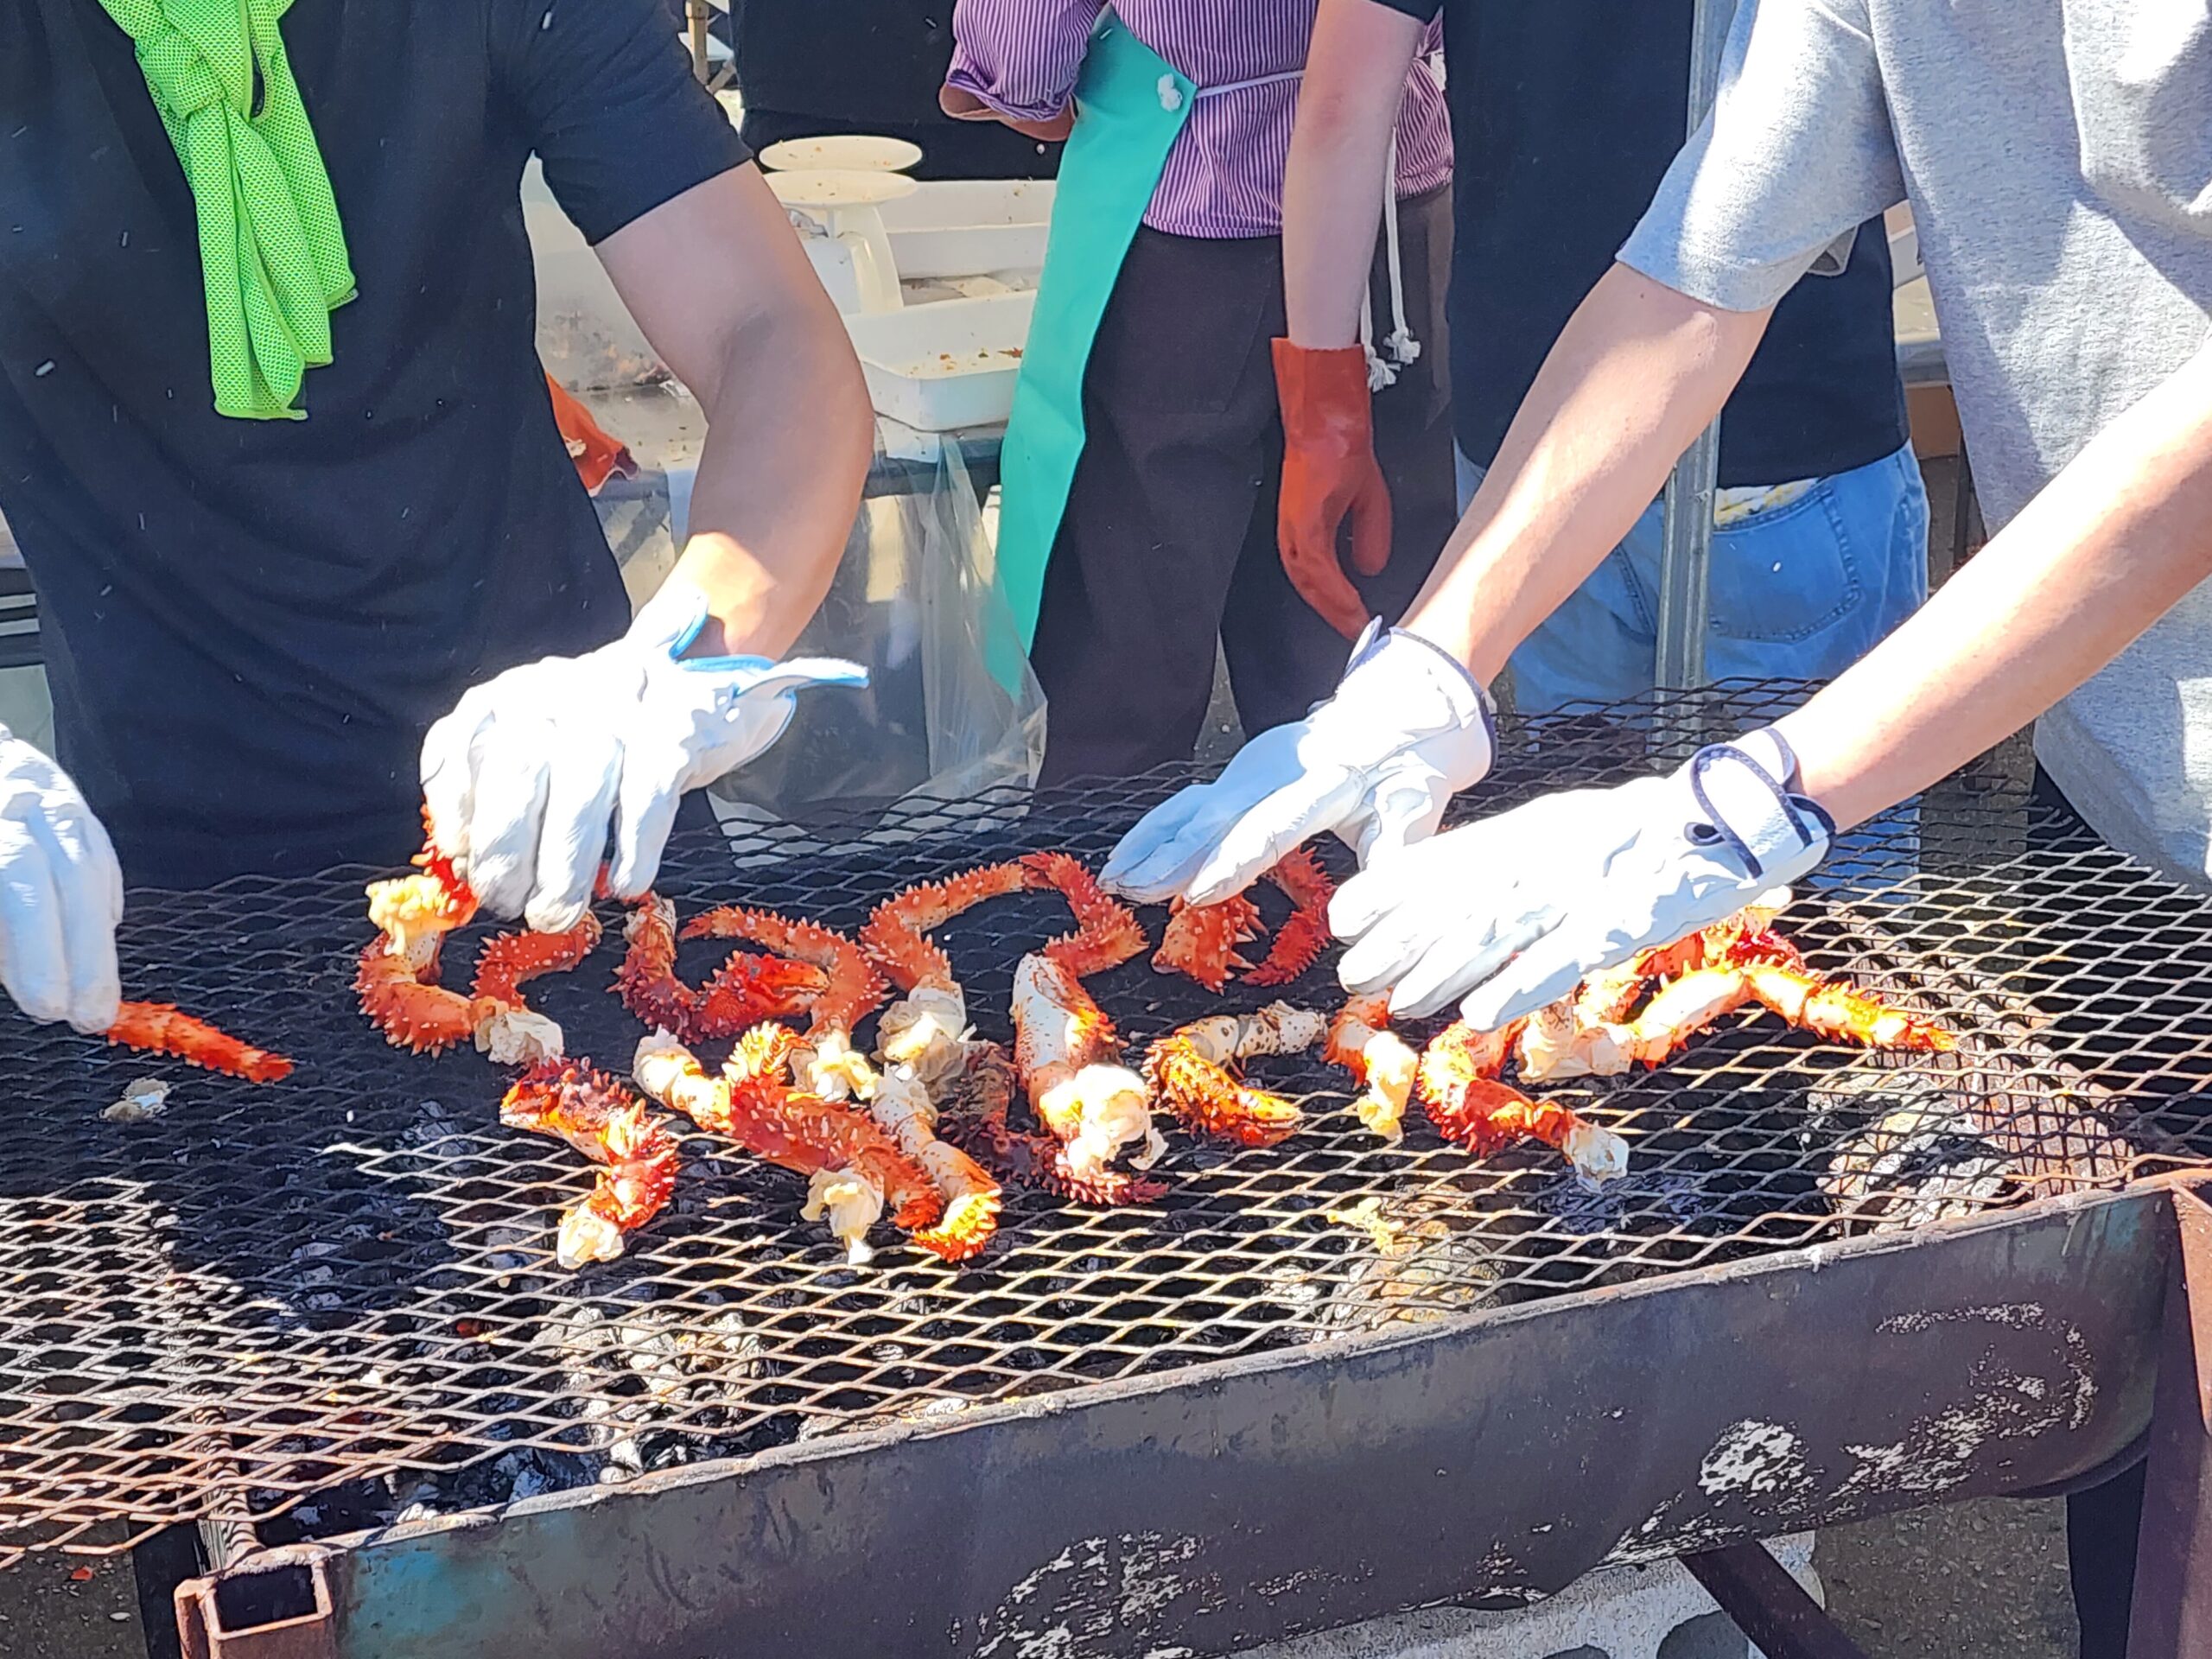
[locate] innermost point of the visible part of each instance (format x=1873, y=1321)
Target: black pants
x=1168, y=542
x=950, y=149
x=2102, y=1525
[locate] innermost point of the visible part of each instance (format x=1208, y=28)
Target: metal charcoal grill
x=341, y=1289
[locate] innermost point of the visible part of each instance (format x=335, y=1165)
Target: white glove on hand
x=1376, y=763
x=530, y=775
x=1511, y=913
x=60, y=895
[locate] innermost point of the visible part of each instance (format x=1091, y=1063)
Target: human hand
x=1376, y=763
x=1509, y=914
x=534, y=773
x=60, y=895
x=1329, y=474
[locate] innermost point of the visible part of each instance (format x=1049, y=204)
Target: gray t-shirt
x=2058, y=157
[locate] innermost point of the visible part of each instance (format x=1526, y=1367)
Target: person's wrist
x=1400, y=686
x=1323, y=395
x=1749, y=803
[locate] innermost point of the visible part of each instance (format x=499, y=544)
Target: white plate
x=858, y=151
x=816, y=186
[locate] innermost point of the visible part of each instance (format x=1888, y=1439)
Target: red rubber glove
x=1329, y=473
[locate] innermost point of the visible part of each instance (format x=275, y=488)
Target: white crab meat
x=409, y=909
x=926, y=1031
x=1554, y=1045
x=1278, y=1028
x=832, y=1068
x=1390, y=1065
x=1098, y=1112
x=850, y=1204
x=519, y=1037
x=1598, y=1155
x=585, y=1236
x=672, y=1075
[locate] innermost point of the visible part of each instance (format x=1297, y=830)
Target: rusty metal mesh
x=343, y=1285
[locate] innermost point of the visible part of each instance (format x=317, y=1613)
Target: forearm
x=790, y=435
x=1018, y=58
x=1640, y=372
x=2111, y=544
x=1333, y=191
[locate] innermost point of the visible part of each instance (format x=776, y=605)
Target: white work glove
x=533, y=772
x=1376, y=763
x=1511, y=913
x=60, y=895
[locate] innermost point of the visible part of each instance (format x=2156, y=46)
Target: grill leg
x=1769, y=1605
x=161, y=1563
x=2173, y=1563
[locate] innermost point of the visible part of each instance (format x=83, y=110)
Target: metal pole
x=1686, y=547
x=696, y=16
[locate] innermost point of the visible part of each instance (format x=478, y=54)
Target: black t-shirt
x=861, y=61
x=249, y=624
x=1565, y=114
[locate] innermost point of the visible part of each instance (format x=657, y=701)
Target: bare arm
x=1016, y=61
x=726, y=297
x=2110, y=545
x=1640, y=371
x=1332, y=194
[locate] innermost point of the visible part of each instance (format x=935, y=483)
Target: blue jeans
x=1800, y=591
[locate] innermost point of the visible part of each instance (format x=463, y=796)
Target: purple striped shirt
x=1223, y=178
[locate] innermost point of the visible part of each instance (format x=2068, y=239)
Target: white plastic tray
x=963, y=228
x=943, y=366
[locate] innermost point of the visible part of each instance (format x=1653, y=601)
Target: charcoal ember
x=1439, y=1262
x=1675, y=1197
x=1849, y=1101
x=1916, y=1165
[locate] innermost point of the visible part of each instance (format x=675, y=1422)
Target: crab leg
x=610, y=1126
x=1193, y=1069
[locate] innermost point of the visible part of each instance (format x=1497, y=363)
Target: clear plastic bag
x=951, y=706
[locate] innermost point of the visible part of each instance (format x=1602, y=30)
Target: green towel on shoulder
x=270, y=245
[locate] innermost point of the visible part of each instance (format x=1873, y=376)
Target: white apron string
x=1399, y=348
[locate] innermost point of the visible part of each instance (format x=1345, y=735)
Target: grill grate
x=343, y=1285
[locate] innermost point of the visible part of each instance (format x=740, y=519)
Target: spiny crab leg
x=926, y=1030
x=1460, y=1089
x=159, y=1029
x=506, y=1028
x=1201, y=940
x=976, y=1109
x=1070, y=1061
x=1381, y=1061
x=1598, y=1032
x=745, y=991
x=609, y=1125
x=827, y=1064
x=853, y=1168
x=1194, y=1070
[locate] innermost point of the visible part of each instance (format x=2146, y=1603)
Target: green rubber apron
x=1130, y=107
